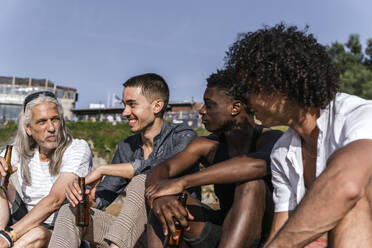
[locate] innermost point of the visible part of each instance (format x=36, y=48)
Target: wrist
x=5, y=238
x=12, y=233
x=100, y=170
x=184, y=181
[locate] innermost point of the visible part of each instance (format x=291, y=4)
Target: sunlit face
x=45, y=125
x=137, y=109
x=269, y=109
x=216, y=111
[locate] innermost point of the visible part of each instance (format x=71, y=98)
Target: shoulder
x=77, y=150
x=268, y=136
x=282, y=145
x=345, y=104
x=181, y=129
x=130, y=141
x=204, y=146
x=205, y=141
x=77, y=146
x=352, y=118
x=77, y=158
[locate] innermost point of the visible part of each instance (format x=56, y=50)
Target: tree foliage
x=354, y=65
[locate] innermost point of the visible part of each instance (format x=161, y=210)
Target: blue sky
x=95, y=45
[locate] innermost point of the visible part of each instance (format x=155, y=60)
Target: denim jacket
x=172, y=139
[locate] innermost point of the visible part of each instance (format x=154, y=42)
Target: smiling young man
x=145, y=98
x=47, y=159
x=235, y=157
x=322, y=166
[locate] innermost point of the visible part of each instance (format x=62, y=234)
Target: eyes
x=209, y=104
x=130, y=104
x=54, y=120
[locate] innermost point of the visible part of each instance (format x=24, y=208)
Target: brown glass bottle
x=4, y=181
x=82, y=209
x=170, y=242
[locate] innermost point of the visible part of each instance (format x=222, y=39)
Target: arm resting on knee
x=333, y=194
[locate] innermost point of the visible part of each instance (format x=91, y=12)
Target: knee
x=250, y=194
x=256, y=189
x=42, y=234
x=36, y=237
x=66, y=212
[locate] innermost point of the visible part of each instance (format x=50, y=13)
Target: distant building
x=177, y=112
x=184, y=112
x=13, y=91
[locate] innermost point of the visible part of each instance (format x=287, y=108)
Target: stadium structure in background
x=14, y=89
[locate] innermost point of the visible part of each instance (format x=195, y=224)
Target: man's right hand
x=4, y=167
x=73, y=193
x=167, y=209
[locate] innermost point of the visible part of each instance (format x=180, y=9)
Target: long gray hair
x=26, y=145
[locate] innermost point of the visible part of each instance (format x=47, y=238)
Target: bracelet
x=6, y=237
x=12, y=233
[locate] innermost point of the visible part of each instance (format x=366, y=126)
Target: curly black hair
x=286, y=60
x=227, y=81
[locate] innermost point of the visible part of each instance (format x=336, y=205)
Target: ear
x=158, y=105
x=236, y=108
x=28, y=129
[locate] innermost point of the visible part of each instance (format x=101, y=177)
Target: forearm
x=238, y=169
x=47, y=206
x=124, y=170
x=333, y=194
x=4, y=210
x=324, y=205
x=157, y=174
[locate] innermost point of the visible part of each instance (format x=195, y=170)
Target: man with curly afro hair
x=322, y=166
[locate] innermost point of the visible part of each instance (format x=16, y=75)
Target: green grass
x=7, y=132
x=201, y=131
x=103, y=137
x=281, y=128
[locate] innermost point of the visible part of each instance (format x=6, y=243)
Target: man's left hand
x=164, y=188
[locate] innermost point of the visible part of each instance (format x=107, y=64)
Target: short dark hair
x=286, y=60
x=152, y=87
x=227, y=81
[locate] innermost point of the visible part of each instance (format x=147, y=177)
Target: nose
x=126, y=111
x=50, y=126
x=202, y=111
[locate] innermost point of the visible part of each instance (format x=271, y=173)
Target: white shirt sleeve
x=77, y=158
x=283, y=195
x=358, y=125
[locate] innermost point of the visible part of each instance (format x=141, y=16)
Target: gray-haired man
x=45, y=159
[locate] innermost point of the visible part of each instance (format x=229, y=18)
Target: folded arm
x=46, y=206
x=333, y=194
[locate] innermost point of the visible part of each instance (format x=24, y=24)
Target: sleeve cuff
x=284, y=207
x=136, y=167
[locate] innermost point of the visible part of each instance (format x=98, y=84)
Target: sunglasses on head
x=35, y=95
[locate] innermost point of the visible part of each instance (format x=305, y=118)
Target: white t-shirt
x=346, y=119
x=76, y=159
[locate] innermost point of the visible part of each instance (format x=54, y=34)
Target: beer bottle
x=170, y=241
x=4, y=181
x=82, y=209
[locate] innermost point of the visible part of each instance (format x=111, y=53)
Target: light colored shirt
x=346, y=119
x=76, y=159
